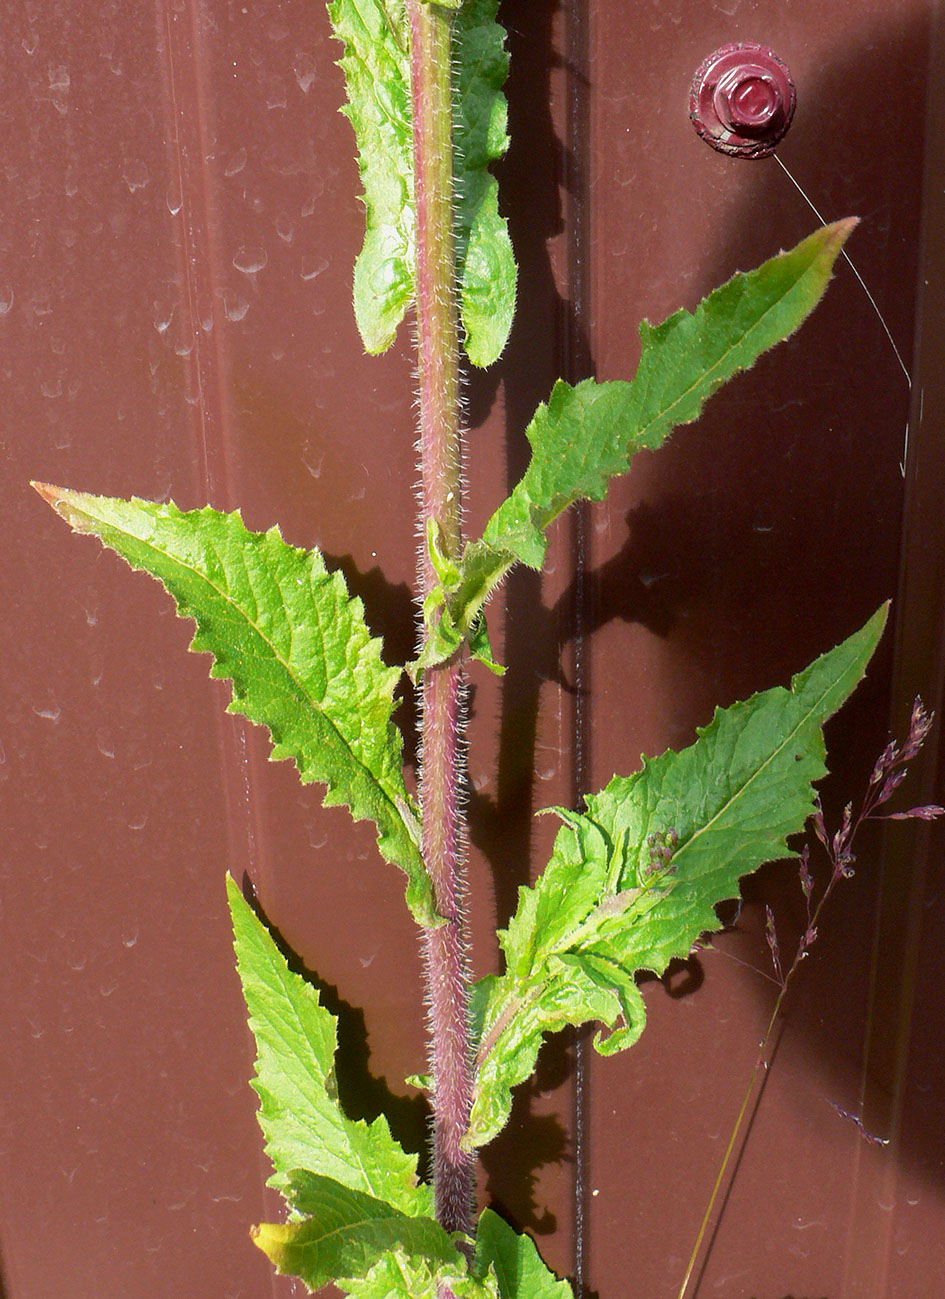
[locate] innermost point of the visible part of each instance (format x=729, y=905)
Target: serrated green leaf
x=377, y=77
x=484, y=259
x=302, y=1121
x=344, y=1234
x=588, y=434
x=366, y=1247
x=609, y=905
x=398, y=1277
x=517, y=1265
x=295, y=646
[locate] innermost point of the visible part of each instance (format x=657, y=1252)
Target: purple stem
x=445, y=952
x=444, y=837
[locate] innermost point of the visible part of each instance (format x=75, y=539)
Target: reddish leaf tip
x=842, y=229
x=68, y=504
x=50, y=494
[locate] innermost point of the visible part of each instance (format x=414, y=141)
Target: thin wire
x=807, y=199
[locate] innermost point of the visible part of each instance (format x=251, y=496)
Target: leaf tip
x=66, y=503
x=833, y=236
x=845, y=227
x=268, y=1237
x=876, y=625
x=51, y=495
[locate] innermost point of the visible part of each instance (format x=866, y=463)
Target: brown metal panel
x=178, y=225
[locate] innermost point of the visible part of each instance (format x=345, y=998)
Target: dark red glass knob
x=742, y=100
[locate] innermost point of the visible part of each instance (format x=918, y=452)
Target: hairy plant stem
x=442, y=753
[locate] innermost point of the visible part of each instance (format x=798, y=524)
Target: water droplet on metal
x=234, y=308
x=311, y=269
x=163, y=315
x=135, y=174
x=251, y=260
x=312, y=462
x=236, y=163
x=303, y=65
x=276, y=96
x=59, y=81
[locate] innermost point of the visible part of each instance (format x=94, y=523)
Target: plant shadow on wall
x=547, y=340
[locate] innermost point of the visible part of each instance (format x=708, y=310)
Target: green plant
x=634, y=878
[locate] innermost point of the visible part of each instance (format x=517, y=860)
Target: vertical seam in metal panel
x=189, y=150
x=918, y=666
x=186, y=112
x=576, y=360
x=198, y=255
